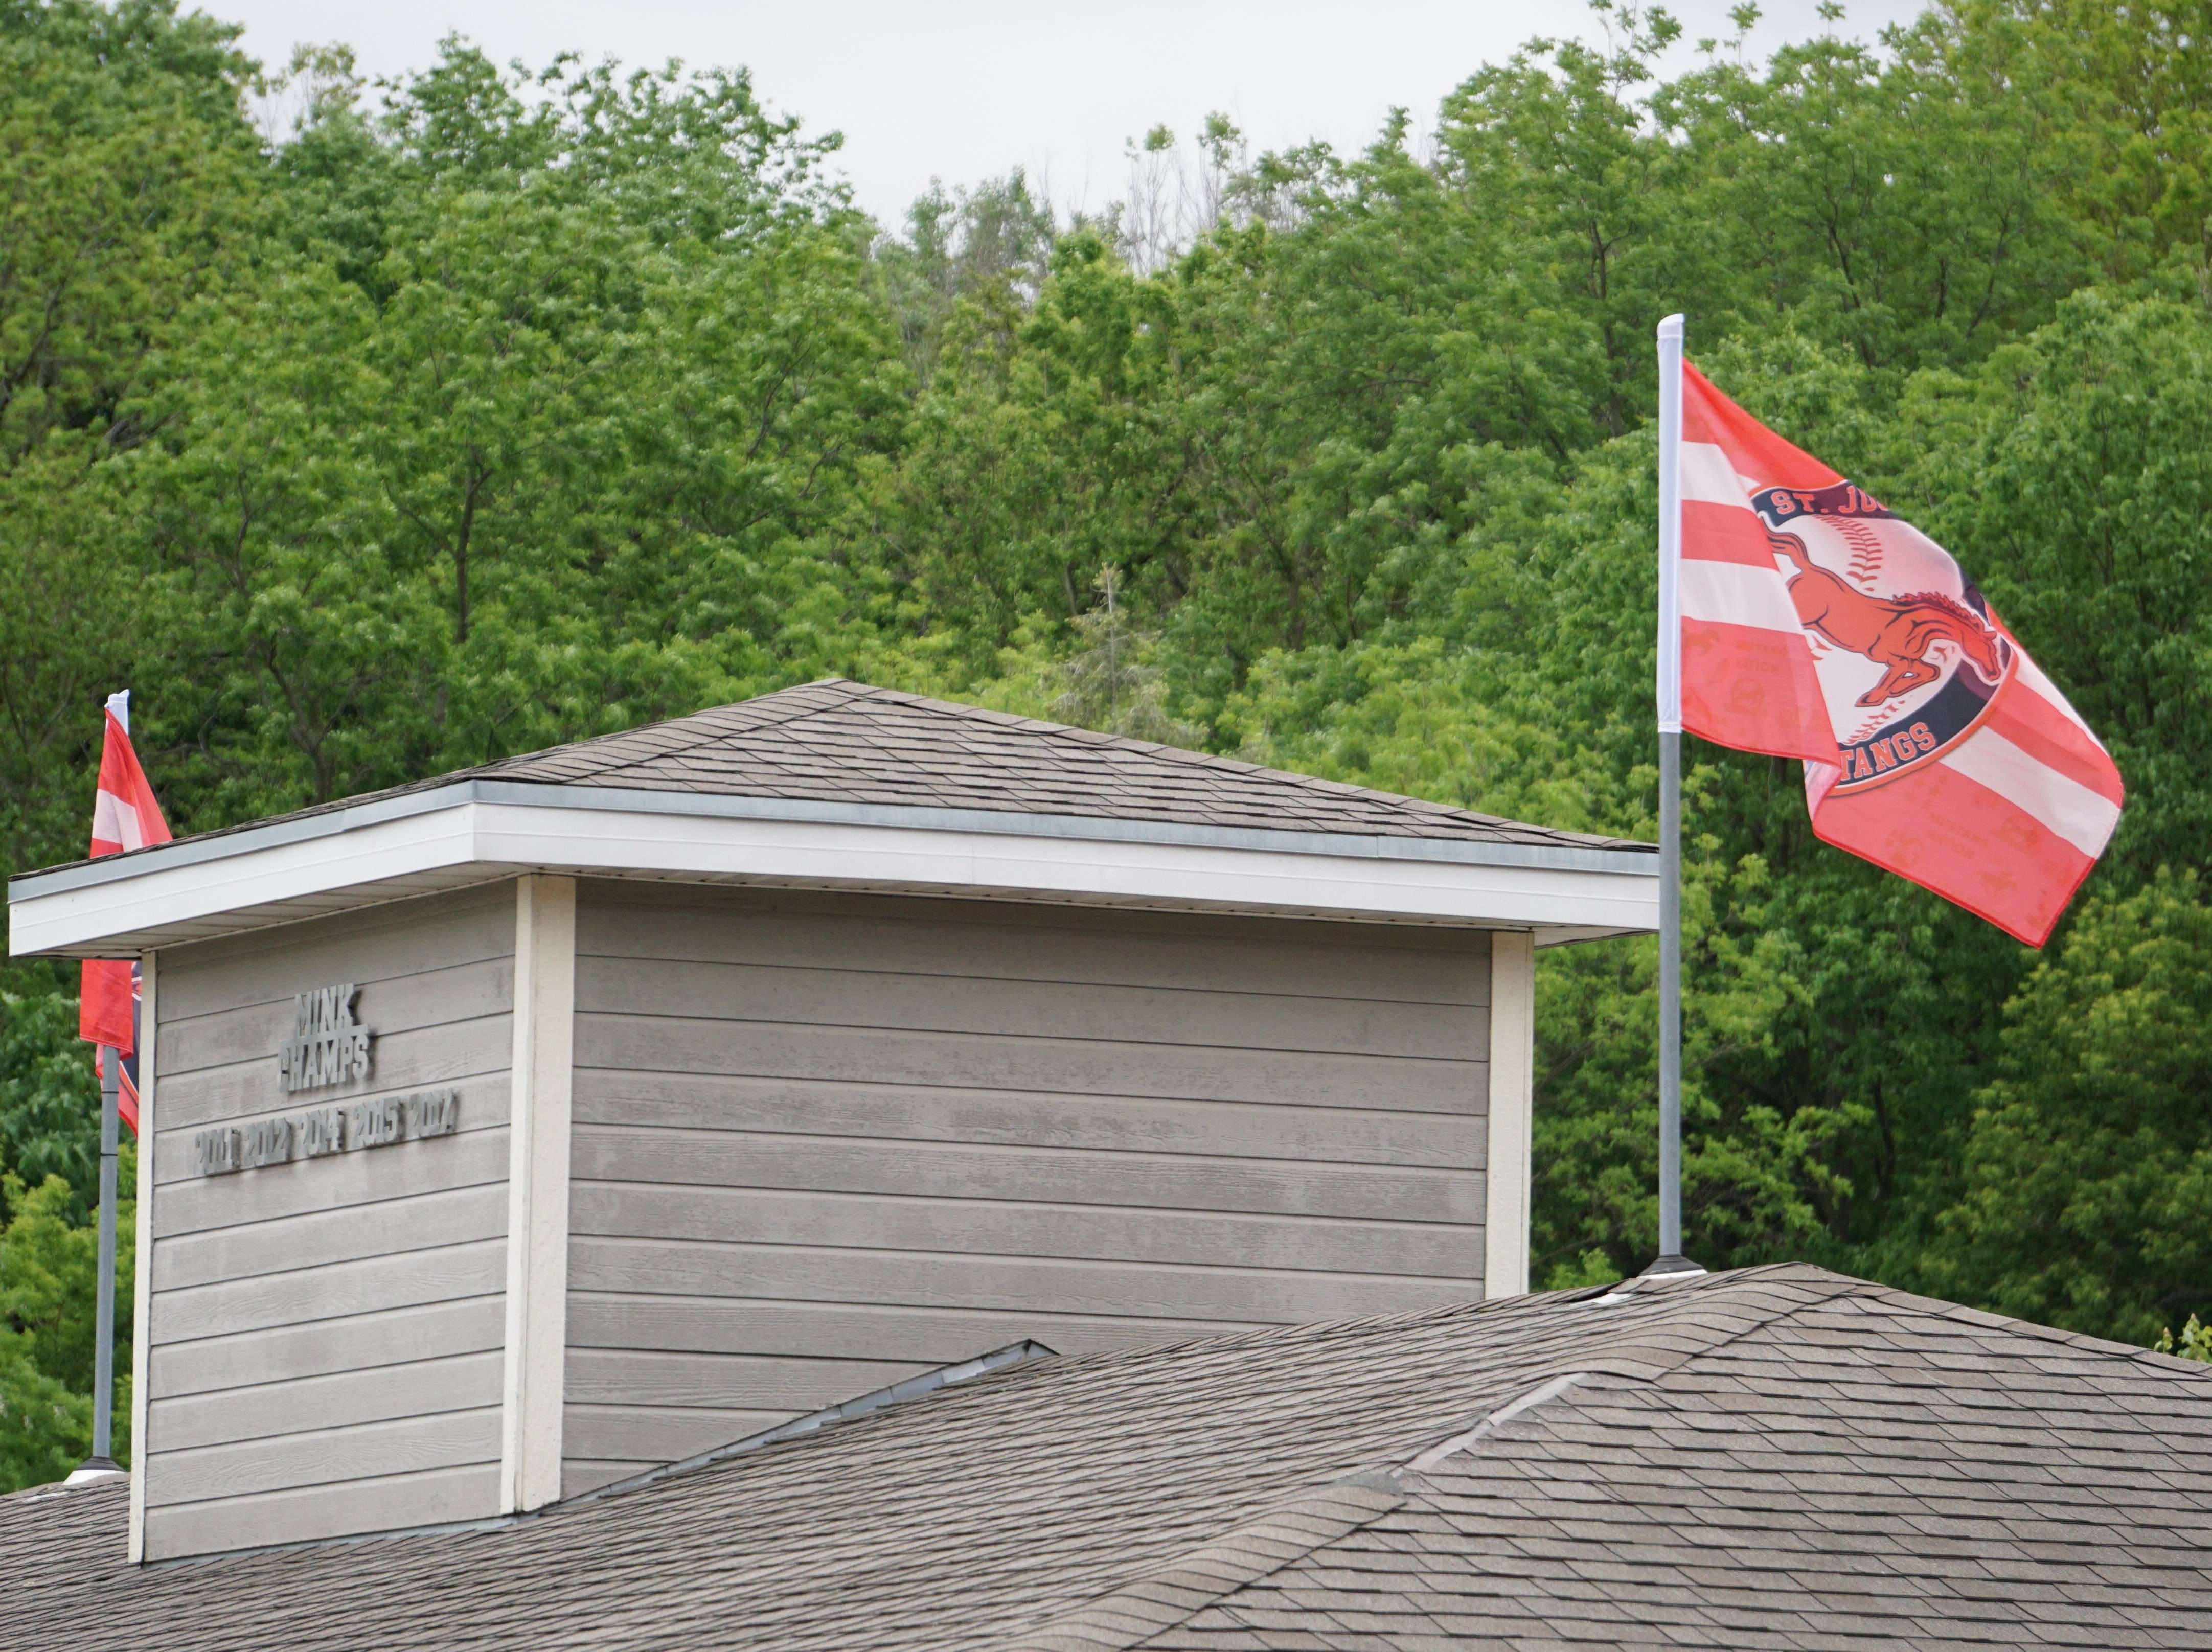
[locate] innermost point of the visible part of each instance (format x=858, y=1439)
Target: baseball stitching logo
x=1942, y=659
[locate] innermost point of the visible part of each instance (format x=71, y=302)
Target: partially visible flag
x=124, y=816
x=1817, y=624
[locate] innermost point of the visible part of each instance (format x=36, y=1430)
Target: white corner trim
x=165, y=892
x=1068, y=868
x=1512, y=1108
x=485, y=830
x=537, y=1193
x=261, y=877
x=142, y=1248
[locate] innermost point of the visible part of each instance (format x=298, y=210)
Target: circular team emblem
x=1908, y=654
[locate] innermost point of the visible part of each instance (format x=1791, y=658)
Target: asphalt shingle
x=1701, y=1484
x=840, y=742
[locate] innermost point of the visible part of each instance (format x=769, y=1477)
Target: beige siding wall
x=325, y=1343
x=823, y=1142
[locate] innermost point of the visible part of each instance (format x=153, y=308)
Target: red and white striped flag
x=1817, y=624
x=124, y=816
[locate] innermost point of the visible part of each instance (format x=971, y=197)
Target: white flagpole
x=1671, y=1260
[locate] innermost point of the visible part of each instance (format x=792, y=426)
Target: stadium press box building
x=513, y=1132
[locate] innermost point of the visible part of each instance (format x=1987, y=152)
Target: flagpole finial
x=119, y=707
x=1671, y=326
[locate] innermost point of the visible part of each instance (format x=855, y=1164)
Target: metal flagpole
x=102, y=1461
x=103, y=1374
x=1671, y=1260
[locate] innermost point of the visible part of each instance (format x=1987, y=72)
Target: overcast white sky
x=965, y=89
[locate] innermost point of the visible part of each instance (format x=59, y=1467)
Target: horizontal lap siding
x=997, y=1227
x=411, y=1497
x=326, y=1333
x=1059, y=1176
x=1021, y=1118
x=823, y=1142
x=618, y=1323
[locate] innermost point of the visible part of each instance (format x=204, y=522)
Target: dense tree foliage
x=489, y=408
x=2088, y=1163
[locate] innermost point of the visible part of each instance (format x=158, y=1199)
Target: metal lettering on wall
x=327, y=1045
x=325, y=1130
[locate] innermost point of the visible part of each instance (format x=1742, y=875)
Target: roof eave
x=478, y=830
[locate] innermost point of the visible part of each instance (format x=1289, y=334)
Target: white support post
x=142, y=1252
x=1512, y=1111
x=537, y=1192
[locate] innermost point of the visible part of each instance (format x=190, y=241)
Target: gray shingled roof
x=835, y=741
x=1780, y=1457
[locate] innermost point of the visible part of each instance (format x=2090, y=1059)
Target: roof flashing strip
x=913, y=1387
x=1497, y=1419
x=194, y=850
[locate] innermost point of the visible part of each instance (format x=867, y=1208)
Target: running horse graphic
x=1895, y=632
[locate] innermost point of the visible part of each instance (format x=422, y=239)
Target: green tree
x=553, y=414
x=489, y=407
x=2194, y=1343
x=47, y=1283
x=44, y=1429
x=49, y=1095
x=126, y=192
x=2088, y=1197
x=990, y=245
x=1373, y=466
x=2073, y=477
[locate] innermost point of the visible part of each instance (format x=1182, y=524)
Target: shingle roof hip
x=1177, y=1494
x=835, y=741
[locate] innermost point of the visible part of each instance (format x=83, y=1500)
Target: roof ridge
x=1173, y=1590
x=1311, y=1330
x=1829, y=1287
x=1832, y=1285
x=51, y=1490
x=1629, y=1359
x=1048, y=729
x=1847, y=1285
x=1170, y=1591
x=1959, y=1313
x=876, y=745
x=1043, y=728
x=751, y=725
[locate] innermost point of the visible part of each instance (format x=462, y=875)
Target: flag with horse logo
x=1818, y=624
